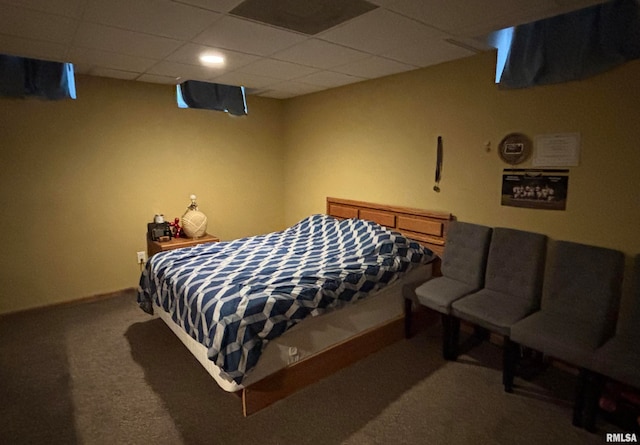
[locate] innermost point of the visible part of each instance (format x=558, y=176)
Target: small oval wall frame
x=515, y=148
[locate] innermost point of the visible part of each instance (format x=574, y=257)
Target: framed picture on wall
x=535, y=189
x=514, y=148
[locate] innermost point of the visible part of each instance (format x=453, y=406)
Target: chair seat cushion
x=619, y=359
x=438, y=293
x=558, y=335
x=492, y=310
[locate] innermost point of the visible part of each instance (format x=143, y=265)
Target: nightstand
x=154, y=247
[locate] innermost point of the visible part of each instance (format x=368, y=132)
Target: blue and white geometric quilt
x=233, y=297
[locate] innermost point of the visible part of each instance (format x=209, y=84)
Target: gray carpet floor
x=104, y=372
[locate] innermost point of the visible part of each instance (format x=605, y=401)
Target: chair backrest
x=584, y=282
x=465, y=254
x=515, y=265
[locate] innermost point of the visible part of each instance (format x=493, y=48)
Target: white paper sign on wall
x=556, y=150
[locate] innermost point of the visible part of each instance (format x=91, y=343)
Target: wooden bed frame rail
x=293, y=378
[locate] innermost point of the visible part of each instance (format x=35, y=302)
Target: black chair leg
x=450, y=337
x=446, y=335
x=588, y=392
x=455, y=338
x=582, y=388
x=593, y=393
x=510, y=355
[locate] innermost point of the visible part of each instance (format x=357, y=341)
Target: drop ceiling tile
x=67, y=8
x=116, y=74
x=190, y=52
x=212, y=5
x=35, y=49
x=477, y=44
x=435, y=52
x=380, y=31
x=319, y=54
x=22, y=22
x=123, y=62
x=308, y=17
x=184, y=71
x=245, y=79
x=158, y=17
x=329, y=79
x=91, y=35
x=278, y=94
x=469, y=16
x=245, y=36
x=277, y=69
x=79, y=68
x=154, y=78
x=373, y=67
x=289, y=89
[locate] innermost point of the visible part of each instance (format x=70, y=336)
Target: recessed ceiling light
x=212, y=59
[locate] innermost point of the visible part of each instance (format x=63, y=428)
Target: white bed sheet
x=314, y=334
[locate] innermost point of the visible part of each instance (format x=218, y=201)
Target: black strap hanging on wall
x=436, y=187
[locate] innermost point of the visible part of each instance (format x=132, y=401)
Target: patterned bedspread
x=233, y=297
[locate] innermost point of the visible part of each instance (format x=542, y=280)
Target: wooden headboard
x=427, y=227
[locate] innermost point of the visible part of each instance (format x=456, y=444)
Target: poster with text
x=535, y=189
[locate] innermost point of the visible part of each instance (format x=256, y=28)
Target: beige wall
x=80, y=179
x=376, y=141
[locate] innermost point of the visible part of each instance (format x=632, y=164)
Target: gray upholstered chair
x=512, y=287
x=619, y=358
x=581, y=296
x=463, y=268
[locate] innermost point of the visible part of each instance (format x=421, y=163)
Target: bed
x=270, y=314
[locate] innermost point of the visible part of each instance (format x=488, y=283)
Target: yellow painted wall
x=80, y=179
x=376, y=141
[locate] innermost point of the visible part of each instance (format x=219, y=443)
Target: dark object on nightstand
x=159, y=231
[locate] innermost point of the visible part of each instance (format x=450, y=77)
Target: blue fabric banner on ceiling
x=213, y=96
x=23, y=77
x=573, y=46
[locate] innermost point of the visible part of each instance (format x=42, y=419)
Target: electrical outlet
x=294, y=355
x=142, y=257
